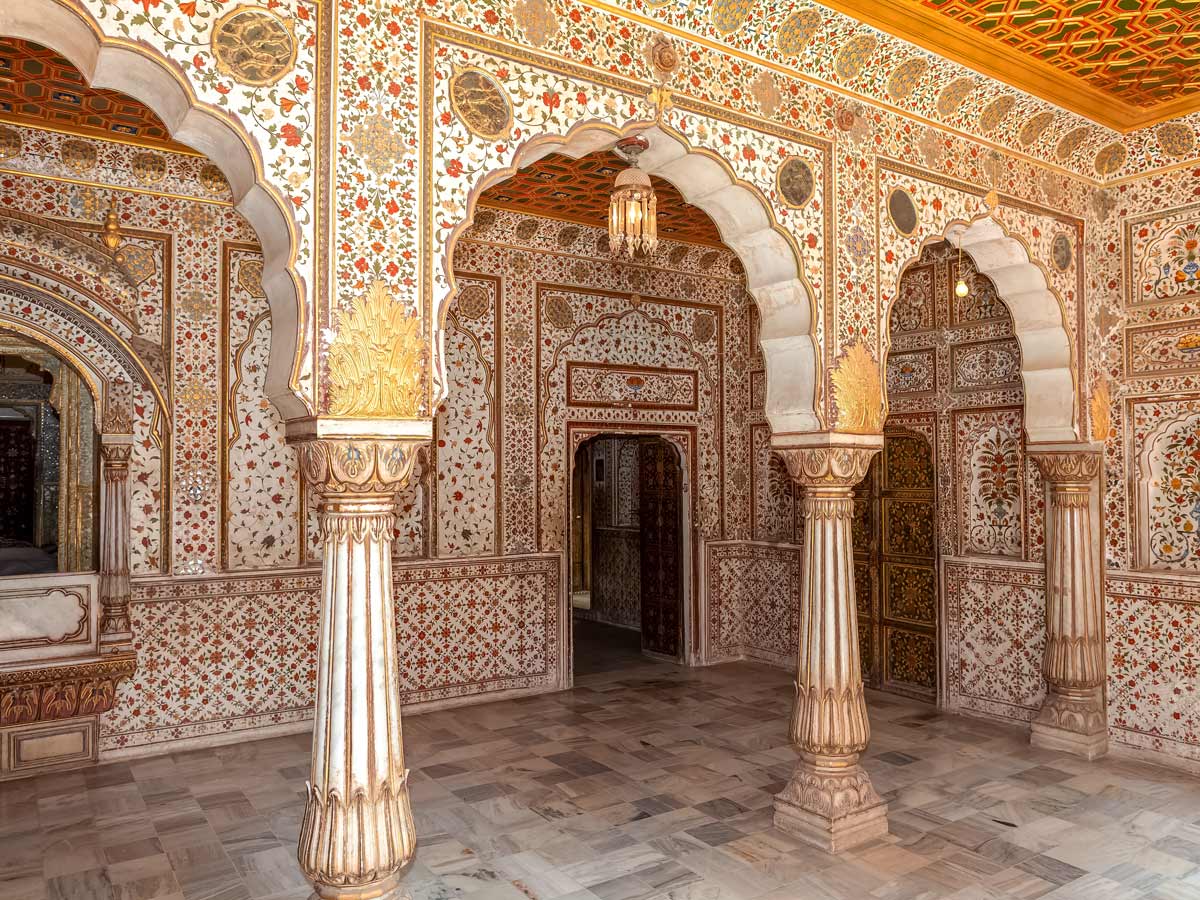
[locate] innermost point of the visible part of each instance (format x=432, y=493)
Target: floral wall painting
x=1170, y=476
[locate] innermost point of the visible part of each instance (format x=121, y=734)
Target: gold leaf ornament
x=858, y=391
x=377, y=361
x=1101, y=406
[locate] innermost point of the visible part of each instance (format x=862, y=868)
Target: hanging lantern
x=632, y=209
x=961, y=288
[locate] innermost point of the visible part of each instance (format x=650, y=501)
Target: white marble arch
x=1039, y=323
x=747, y=226
x=145, y=74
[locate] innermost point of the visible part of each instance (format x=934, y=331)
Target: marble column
x=115, y=632
x=1072, y=717
x=357, y=833
x=829, y=801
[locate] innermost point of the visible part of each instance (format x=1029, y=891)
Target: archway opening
x=744, y=223
x=49, y=462
x=126, y=90
x=629, y=573
x=953, y=483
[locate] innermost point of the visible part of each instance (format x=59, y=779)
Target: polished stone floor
x=647, y=782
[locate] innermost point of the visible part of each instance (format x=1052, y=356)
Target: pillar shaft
x=1072, y=716
x=357, y=833
x=829, y=801
x=115, y=632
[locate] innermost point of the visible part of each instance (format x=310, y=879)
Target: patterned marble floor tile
x=644, y=782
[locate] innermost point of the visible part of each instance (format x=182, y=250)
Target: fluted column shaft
x=829, y=801
x=1072, y=716
x=115, y=632
x=357, y=833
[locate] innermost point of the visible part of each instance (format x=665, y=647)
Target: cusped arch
x=747, y=226
x=1039, y=324
x=108, y=364
x=146, y=74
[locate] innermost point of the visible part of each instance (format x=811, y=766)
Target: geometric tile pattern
x=653, y=782
x=1139, y=54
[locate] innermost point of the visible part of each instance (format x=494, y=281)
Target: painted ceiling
x=822, y=45
x=577, y=190
x=39, y=88
x=1120, y=63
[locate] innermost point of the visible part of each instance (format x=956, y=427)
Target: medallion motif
x=536, y=18
x=1071, y=142
x=473, y=302
x=1034, y=127
x=1176, y=139
x=78, y=156
x=902, y=211
x=902, y=82
x=795, y=182
x=213, y=179
x=481, y=103
x=10, y=143
x=1110, y=159
x=253, y=46
x=1061, y=252
x=150, y=168
x=953, y=95
x=797, y=30
x=379, y=144
x=854, y=56
x=727, y=16
x=996, y=112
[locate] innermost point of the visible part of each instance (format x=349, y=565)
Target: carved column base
x=1072, y=722
x=388, y=889
x=833, y=808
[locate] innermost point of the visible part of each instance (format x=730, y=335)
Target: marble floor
x=648, y=783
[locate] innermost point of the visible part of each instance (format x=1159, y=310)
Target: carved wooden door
x=896, y=568
x=17, y=480
x=660, y=494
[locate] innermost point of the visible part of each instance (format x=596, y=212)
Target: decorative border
x=692, y=405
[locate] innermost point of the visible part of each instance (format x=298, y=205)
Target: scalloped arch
x=146, y=75
x=747, y=226
x=1039, y=322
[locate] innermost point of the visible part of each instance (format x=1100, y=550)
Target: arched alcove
x=1039, y=323
x=146, y=75
x=746, y=225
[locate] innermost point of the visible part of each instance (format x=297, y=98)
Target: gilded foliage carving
x=377, y=361
x=858, y=391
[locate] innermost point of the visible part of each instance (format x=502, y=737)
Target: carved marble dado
x=61, y=692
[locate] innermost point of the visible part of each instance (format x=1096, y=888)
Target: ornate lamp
x=961, y=288
x=632, y=209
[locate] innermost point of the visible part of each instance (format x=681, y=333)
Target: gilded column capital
x=1069, y=464
x=354, y=465
x=827, y=459
x=116, y=456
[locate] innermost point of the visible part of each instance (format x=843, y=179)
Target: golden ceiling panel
x=1122, y=64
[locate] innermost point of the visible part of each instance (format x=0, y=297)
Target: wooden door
x=18, y=450
x=896, y=549
x=660, y=496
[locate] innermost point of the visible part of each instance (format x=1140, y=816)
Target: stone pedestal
x=1072, y=717
x=357, y=833
x=830, y=801
x=115, y=633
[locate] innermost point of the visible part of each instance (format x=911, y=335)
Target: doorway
x=628, y=553
x=895, y=561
